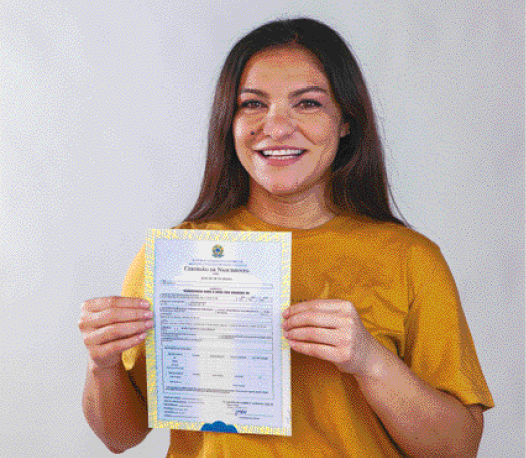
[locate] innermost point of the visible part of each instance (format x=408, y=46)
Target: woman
x=383, y=363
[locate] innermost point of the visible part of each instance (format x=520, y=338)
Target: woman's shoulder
x=390, y=243
x=386, y=233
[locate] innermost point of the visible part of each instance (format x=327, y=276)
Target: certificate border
x=151, y=359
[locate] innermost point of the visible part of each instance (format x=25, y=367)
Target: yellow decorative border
x=231, y=236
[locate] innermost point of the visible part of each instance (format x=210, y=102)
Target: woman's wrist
x=379, y=363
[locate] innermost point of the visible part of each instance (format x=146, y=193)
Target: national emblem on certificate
x=216, y=356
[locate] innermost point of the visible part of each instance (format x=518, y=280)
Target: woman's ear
x=344, y=129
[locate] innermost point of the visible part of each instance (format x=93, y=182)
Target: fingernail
x=149, y=324
x=145, y=303
x=148, y=314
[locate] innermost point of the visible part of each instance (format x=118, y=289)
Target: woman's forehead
x=284, y=65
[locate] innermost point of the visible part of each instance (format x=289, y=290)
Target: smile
x=282, y=152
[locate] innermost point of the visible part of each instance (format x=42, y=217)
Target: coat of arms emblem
x=217, y=251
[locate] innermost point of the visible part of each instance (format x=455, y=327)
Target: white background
x=103, y=118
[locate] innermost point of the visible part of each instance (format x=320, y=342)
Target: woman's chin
x=282, y=189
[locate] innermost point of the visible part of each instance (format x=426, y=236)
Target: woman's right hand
x=110, y=325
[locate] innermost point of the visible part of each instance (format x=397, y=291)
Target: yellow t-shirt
x=406, y=297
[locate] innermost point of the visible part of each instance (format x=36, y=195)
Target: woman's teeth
x=282, y=152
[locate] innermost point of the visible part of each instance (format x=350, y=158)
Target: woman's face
x=287, y=126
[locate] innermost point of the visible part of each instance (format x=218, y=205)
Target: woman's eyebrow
x=309, y=89
x=253, y=91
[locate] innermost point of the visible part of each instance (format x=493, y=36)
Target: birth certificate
x=216, y=356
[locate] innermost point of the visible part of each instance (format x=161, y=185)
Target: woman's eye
x=252, y=104
x=309, y=104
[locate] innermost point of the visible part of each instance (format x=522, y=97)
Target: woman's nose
x=279, y=124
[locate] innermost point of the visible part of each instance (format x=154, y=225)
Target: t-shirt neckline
x=253, y=221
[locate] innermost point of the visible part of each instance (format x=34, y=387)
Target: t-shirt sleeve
x=439, y=346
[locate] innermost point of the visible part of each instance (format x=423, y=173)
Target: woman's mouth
x=281, y=154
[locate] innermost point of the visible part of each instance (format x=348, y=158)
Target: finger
x=321, y=305
x=117, y=315
x=316, y=319
x=116, y=347
x=321, y=351
x=102, y=303
x=315, y=335
x=115, y=332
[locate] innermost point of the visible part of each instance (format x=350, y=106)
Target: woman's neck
x=296, y=212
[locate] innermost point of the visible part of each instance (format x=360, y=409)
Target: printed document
x=216, y=356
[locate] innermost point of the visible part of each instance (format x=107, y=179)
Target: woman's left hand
x=331, y=330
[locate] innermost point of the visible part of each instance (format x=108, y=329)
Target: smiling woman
x=383, y=363
x=287, y=128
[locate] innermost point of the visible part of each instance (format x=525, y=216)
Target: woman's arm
x=423, y=421
x=112, y=407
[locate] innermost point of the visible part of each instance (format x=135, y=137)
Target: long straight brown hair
x=358, y=181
